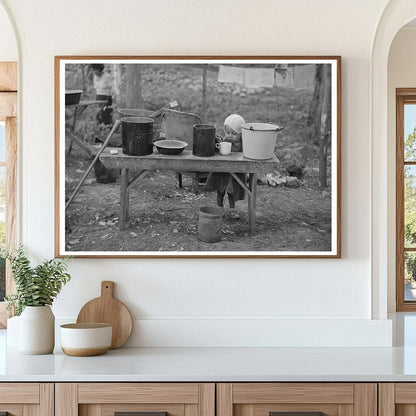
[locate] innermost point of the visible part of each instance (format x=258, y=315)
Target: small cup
x=224, y=148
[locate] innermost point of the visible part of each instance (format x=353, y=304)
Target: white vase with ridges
x=37, y=330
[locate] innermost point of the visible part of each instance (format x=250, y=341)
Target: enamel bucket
x=259, y=140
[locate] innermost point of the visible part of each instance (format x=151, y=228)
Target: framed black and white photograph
x=198, y=156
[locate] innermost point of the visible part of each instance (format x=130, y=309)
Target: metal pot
x=137, y=136
x=203, y=140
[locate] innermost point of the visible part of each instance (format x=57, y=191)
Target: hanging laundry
x=305, y=76
x=259, y=77
x=227, y=73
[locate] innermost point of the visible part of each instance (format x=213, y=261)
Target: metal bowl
x=72, y=97
x=170, y=147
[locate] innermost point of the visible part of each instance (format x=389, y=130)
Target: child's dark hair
x=98, y=67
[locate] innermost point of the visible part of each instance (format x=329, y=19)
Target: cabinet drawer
x=296, y=399
x=146, y=399
x=19, y=393
x=138, y=393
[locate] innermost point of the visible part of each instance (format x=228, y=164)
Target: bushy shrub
x=35, y=285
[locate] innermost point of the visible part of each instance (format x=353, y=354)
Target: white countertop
x=222, y=364
x=215, y=364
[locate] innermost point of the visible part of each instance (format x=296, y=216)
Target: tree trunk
x=134, y=86
x=315, y=110
x=83, y=69
x=325, y=125
x=117, y=82
x=320, y=118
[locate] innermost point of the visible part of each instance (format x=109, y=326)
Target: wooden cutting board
x=108, y=310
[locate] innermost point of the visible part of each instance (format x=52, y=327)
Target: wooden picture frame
x=111, y=202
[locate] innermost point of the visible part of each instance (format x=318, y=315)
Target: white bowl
x=83, y=340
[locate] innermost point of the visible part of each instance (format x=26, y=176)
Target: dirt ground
x=163, y=217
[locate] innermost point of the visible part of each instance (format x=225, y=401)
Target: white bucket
x=259, y=140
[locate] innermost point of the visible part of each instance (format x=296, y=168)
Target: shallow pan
x=72, y=97
x=170, y=147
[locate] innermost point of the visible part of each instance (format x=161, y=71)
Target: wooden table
x=71, y=123
x=186, y=161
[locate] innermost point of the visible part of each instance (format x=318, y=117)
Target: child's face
x=231, y=135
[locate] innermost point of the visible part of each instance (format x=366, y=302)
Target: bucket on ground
x=137, y=136
x=203, y=140
x=210, y=224
x=259, y=140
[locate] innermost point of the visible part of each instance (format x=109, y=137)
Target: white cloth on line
x=233, y=74
x=259, y=77
x=305, y=76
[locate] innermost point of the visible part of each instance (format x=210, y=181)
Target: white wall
x=401, y=74
x=203, y=302
x=8, y=46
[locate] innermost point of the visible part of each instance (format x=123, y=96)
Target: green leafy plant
x=38, y=285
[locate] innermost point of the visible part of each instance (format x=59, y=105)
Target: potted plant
x=36, y=289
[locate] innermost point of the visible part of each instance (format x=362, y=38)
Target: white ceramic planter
x=37, y=330
x=12, y=334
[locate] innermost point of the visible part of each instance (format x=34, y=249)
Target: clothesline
x=293, y=76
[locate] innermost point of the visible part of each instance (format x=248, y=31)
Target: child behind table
x=223, y=182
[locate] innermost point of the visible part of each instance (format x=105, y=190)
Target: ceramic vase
x=12, y=334
x=37, y=330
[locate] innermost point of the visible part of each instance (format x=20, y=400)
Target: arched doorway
x=395, y=16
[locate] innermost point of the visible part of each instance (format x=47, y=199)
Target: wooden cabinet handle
x=295, y=413
x=139, y=414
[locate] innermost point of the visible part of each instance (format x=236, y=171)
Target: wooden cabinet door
x=143, y=399
x=297, y=399
x=397, y=399
x=26, y=399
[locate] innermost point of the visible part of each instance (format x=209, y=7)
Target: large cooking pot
x=137, y=136
x=203, y=140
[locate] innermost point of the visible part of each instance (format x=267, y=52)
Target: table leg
x=124, y=197
x=70, y=146
x=78, y=141
x=72, y=129
x=127, y=197
x=252, y=184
